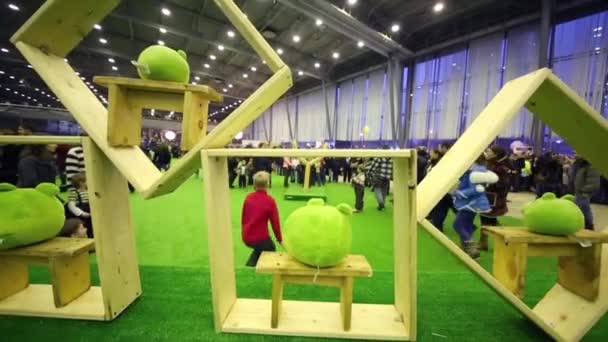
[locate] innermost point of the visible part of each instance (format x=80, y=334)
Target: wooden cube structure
x=396, y=321
x=114, y=249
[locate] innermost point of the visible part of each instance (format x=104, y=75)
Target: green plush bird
x=160, y=63
x=29, y=215
x=318, y=235
x=553, y=216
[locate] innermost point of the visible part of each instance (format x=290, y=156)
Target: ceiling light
x=115, y=68
x=194, y=83
x=220, y=47
x=263, y=62
x=30, y=66
x=162, y=30
x=4, y=50
x=12, y=77
x=225, y=90
x=360, y=44
x=230, y=85
x=230, y=33
x=82, y=78
x=318, y=22
x=65, y=60
x=160, y=42
x=13, y=7
x=21, y=81
x=42, y=92
x=103, y=40
x=165, y=11
x=254, y=69
x=212, y=57
x=2, y=72
x=395, y=28
x=207, y=65
x=111, y=60
x=317, y=65
x=438, y=7
x=335, y=55
x=300, y=73
x=152, y=111
x=36, y=89
x=16, y=92
x=280, y=51
x=97, y=27
x=351, y=2
x=296, y=38
x=197, y=78
x=245, y=75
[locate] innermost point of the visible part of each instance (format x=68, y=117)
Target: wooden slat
x=223, y=134
x=70, y=277
x=250, y=34
x=522, y=234
x=60, y=25
x=333, y=281
x=581, y=274
x=282, y=263
x=481, y=133
x=311, y=153
x=14, y=277
x=90, y=114
x=510, y=263
x=277, y=299
x=219, y=237
x=159, y=86
x=57, y=247
x=317, y=319
x=40, y=139
x=37, y=300
x=124, y=119
x=113, y=228
x=553, y=249
x=346, y=303
x=573, y=119
x=194, y=122
x=169, y=102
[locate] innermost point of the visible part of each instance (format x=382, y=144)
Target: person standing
x=381, y=171
x=586, y=184
x=287, y=169
x=37, y=166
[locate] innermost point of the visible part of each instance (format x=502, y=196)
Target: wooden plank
x=223, y=134
x=151, y=100
x=56, y=247
x=317, y=319
x=581, y=274
x=333, y=281
x=283, y=263
x=277, y=300
x=40, y=139
x=311, y=153
x=346, y=303
x=572, y=118
x=90, y=114
x=510, y=263
x=194, y=122
x=405, y=240
x=250, y=34
x=553, y=249
x=522, y=234
x=571, y=315
x=124, y=119
x=159, y=86
x=37, y=300
x=60, y=25
x=219, y=237
x=481, y=133
x=494, y=284
x=70, y=277
x=14, y=277
x=113, y=228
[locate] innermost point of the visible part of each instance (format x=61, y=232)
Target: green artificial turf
x=176, y=303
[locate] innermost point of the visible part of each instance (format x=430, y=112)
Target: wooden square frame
x=395, y=321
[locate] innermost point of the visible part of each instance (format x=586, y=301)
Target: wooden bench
x=127, y=97
x=579, y=257
x=68, y=262
x=286, y=269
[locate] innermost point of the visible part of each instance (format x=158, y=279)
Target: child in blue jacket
x=469, y=200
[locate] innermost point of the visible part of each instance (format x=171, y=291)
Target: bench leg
x=277, y=299
x=70, y=277
x=510, y=263
x=14, y=277
x=346, y=302
x=581, y=274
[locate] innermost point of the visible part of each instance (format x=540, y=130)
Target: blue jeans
x=381, y=189
x=584, y=203
x=464, y=224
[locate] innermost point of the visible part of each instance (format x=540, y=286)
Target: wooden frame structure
x=395, y=321
x=114, y=245
x=561, y=314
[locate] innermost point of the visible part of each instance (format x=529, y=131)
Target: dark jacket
x=35, y=170
x=497, y=192
x=586, y=179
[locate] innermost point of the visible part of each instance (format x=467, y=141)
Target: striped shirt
x=382, y=168
x=78, y=196
x=74, y=162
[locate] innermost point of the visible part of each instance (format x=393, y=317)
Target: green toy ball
x=553, y=216
x=318, y=235
x=29, y=215
x=160, y=63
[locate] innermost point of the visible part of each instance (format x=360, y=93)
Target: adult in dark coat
x=37, y=166
x=496, y=159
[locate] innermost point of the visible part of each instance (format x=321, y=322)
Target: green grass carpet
x=176, y=303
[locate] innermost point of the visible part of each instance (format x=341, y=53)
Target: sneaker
x=470, y=247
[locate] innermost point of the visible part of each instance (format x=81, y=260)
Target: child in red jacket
x=258, y=209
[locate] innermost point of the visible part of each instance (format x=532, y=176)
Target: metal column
x=538, y=128
x=395, y=79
